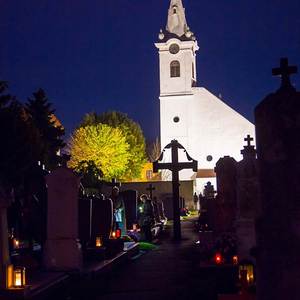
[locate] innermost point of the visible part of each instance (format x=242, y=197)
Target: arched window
x=174, y=9
x=175, y=68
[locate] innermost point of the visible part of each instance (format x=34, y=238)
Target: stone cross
x=285, y=71
x=151, y=188
x=114, y=183
x=175, y=166
x=249, y=139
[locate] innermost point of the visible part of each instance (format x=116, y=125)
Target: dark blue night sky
x=98, y=55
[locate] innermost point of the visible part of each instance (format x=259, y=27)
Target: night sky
x=99, y=55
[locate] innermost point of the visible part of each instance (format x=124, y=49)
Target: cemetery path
x=172, y=271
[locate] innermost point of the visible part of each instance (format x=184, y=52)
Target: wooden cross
x=248, y=139
x=175, y=166
x=285, y=71
x=151, y=188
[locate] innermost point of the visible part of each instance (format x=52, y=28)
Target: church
x=207, y=127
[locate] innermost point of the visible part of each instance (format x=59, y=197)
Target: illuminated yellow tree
x=102, y=146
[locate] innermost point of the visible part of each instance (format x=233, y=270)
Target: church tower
x=177, y=53
x=207, y=127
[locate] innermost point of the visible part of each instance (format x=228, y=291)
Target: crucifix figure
x=175, y=166
x=285, y=71
x=249, y=139
x=151, y=188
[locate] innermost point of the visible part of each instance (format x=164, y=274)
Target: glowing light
x=118, y=233
x=19, y=277
x=113, y=235
x=218, y=258
x=16, y=243
x=235, y=260
x=98, y=242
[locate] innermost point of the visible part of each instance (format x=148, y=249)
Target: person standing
x=196, y=201
x=119, y=210
x=146, y=217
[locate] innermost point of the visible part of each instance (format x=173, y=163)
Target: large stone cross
x=175, y=166
x=285, y=71
x=151, y=188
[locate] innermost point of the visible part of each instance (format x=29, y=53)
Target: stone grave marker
x=102, y=219
x=62, y=251
x=130, y=203
x=247, y=201
x=277, y=121
x=226, y=203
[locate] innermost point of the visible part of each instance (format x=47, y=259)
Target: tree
x=50, y=130
x=133, y=135
x=19, y=150
x=153, y=150
x=101, y=149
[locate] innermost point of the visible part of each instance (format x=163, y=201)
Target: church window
x=209, y=158
x=176, y=119
x=174, y=9
x=175, y=68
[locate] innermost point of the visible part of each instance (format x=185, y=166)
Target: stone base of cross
x=175, y=166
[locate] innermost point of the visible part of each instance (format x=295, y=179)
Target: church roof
x=176, y=25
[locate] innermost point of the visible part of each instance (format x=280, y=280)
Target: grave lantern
x=218, y=258
x=118, y=233
x=235, y=260
x=16, y=243
x=19, y=277
x=246, y=270
x=99, y=242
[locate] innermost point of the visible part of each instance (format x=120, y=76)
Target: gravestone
x=85, y=207
x=277, y=121
x=61, y=250
x=226, y=204
x=102, y=219
x=130, y=203
x=167, y=202
x=247, y=201
x=4, y=252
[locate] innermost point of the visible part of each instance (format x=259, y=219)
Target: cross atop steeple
x=176, y=19
x=284, y=71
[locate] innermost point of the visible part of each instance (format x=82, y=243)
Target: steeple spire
x=176, y=19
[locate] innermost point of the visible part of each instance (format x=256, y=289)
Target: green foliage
x=50, y=133
x=99, y=149
x=133, y=135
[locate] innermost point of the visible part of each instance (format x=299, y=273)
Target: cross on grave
x=284, y=71
x=175, y=166
x=249, y=139
x=114, y=183
x=151, y=188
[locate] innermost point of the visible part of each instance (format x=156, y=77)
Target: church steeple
x=176, y=20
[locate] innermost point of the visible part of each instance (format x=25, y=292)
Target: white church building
x=207, y=127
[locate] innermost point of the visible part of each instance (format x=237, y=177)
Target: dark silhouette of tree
x=153, y=150
x=50, y=130
x=19, y=150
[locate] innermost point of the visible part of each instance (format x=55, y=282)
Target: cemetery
x=209, y=211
